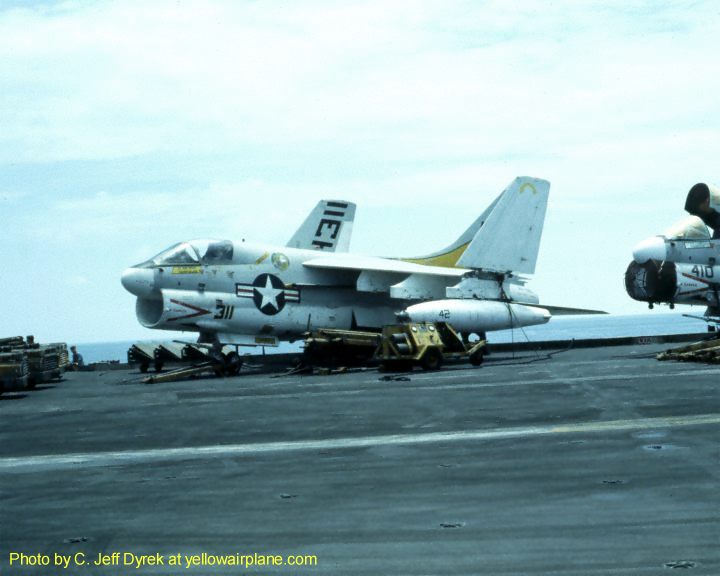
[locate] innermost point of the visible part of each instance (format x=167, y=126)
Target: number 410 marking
x=703, y=271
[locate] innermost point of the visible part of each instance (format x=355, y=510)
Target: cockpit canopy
x=690, y=228
x=195, y=252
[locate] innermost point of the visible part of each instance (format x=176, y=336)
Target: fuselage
x=258, y=294
x=677, y=267
x=667, y=282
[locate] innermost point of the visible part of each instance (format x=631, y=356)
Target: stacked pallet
x=13, y=371
x=12, y=342
x=25, y=363
x=61, y=349
x=705, y=351
x=44, y=365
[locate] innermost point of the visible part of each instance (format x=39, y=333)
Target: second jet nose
x=652, y=248
x=138, y=281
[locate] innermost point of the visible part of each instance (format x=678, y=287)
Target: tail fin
x=509, y=240
x=449, y=256
x=328, y=227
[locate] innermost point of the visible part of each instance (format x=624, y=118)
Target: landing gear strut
x=232, y=363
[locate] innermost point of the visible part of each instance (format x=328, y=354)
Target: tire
x=233, y=363
x=432, y=360
x=477, y=358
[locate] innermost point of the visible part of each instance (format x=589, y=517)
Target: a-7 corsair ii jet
x=255, y=294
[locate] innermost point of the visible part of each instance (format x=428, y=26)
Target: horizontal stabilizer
x=509, y=240
x=327, y=228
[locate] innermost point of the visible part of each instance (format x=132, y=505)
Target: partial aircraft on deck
x=681, y=265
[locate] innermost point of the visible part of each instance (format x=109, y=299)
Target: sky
x=128, y=126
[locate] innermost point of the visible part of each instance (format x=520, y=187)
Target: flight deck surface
x=592, y=461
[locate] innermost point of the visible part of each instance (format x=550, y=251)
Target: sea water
x=559, y=328
x=603, y=326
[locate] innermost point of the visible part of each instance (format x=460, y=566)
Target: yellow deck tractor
x=426, y=344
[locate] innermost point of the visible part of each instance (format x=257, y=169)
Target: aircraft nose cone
x=652, y=248
x=138, y=281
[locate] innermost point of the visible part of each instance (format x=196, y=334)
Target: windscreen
x=182, y=253
x=690, y=228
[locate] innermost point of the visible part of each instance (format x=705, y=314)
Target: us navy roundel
x=269, y=293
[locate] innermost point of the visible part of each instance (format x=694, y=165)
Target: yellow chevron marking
x=448, y=260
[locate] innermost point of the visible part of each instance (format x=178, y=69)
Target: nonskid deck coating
x=599, y=461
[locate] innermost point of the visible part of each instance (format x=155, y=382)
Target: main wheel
x=432, y=360
x=233, y=363
x=477, y=358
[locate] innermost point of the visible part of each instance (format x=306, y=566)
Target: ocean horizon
x=559, y=328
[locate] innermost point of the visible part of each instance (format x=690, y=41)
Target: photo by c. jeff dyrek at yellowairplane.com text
x=138, y=561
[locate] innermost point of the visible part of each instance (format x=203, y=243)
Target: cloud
x=11, y=198
x=128, y=126
x=425, y=80
x=77, y=280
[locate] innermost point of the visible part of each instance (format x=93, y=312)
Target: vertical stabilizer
x=327, y=228
x=509, y=240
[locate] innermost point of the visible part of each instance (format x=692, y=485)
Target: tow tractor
x=427, y=344
x=397, y=346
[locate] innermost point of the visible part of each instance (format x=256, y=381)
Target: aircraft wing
x=327, y=228
x=399, y=279
x=387, y=265
x=562, y=311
